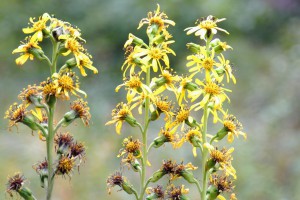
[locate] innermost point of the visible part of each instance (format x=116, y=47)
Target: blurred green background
x=265, y=35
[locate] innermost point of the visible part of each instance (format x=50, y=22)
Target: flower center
x=134, y=82
x=208, y=24
x=66, y=82
x=157, y=21
x=218, y=156
x=182, y=115
x=208, y=63
x=65, y=165
x=229, y=125
x=155, y=53
x=132, y=146
x=212, y=88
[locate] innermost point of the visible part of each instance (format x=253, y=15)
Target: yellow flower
x=131, y=60
x=182, y=116
x=158, y=18
x=223, y=158
x=38, y=27
x=73, y=46
x=205, y=61
x=219, y=184
x=131, y=149
x=210, y=90
x=65, y=83
x=233, y=127
x=48, y=87
x=165, y=135
x=16, y=113
x=81, y=110
x=225, y=67
x=65, y=166
x=121, y=113
x=166, y=80
x=176, y=192
x=134, y=86
x=216, y=105
x=85, y=61
x=185, y=83
x=206, y=27
x=27, y=50
x=162, y=106
x=192, y=136
x=30, y=95
x=154, y=54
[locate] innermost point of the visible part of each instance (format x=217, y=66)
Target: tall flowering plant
x=148, y=78
x=38, y=101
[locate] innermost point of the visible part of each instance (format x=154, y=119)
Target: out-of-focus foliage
x=266, y=38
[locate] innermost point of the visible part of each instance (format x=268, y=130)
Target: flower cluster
x=148, y=78
x=37, y=109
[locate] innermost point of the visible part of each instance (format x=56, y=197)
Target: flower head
x=63, y=142
x=65, y=83
x=119, y=180
x=32, y=94
x=162, y=106
x=15, y=183
x=211, y=90
x=16, y=113
x=206, y=27
x=218, y=185
x=155, y=193
x=28, y=49
x=232, y=127
x=166, y=80
x=65, y=165
x=157, y=18
x=176, y=192
x=77, y=150
x=38, y=27
x=223, y=158
x=224, y=67
x=122, y=113
x=135, y=86
x=84, y=61
x=166, y=135
x=131, y=149
x=80, y=109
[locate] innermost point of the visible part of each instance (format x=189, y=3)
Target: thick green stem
x=204, y=153
x=144, y=134
x=50, y=140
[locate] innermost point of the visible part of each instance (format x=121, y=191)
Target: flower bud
x=191, y=86
x=131, y=120
x=156, y=176
x=69, y=117
x=37, y=53
x=71, y=63
x=191, y=122
x=195, y=48
x=212, y=192
x=137, y=41
x=136, y=165
x=210, y=164
x=188, y=176
x=155, y=115
x=26, y=193
x=159, y=141
x=127, y=188
x=30, y=122
x=221, y=133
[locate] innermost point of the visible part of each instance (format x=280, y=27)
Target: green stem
x=54, y=55
x=204, y=153
x=59, y=125
x=198, y=186
x=144, y=134
x=50, y=140
x=150, y=146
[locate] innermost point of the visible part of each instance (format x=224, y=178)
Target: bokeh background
x=265, y=35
